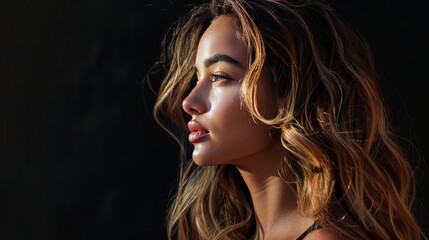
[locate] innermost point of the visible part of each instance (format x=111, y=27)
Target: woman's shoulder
x=323, y=234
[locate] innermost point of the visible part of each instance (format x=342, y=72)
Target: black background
x=81, y=157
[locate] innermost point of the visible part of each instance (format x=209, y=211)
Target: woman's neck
x=273, y=199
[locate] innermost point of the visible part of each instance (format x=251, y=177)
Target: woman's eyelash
x=218, y=77
x=213, y=78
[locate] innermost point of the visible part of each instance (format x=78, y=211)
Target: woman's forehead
x=221, y=37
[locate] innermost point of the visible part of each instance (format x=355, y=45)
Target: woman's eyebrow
x=221, y=58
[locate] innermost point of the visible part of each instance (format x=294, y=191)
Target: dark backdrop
x=81, y=157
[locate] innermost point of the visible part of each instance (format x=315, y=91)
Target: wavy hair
x=349, y=170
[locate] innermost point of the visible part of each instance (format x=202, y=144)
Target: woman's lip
x=197, y=136
x=195, y=126
x=198, y=132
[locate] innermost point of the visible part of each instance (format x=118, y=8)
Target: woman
x=289, y=133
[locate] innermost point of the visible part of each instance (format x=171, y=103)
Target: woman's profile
x=280, y=105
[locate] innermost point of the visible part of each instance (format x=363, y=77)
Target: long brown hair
x=350, y=173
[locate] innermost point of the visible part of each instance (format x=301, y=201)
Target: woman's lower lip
x=197, y=136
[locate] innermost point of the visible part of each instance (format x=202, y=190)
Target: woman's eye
x=217, y=77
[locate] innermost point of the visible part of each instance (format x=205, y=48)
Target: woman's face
x=222, y=132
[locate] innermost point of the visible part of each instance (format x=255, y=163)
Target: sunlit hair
x=349, y=171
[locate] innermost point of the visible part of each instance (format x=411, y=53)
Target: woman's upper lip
x=194, y=126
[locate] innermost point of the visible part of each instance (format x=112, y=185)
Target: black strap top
x=309, y=230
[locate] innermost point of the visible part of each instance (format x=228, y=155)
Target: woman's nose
x=196, y=102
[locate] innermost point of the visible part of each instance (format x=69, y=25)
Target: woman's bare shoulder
x=323, y=234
